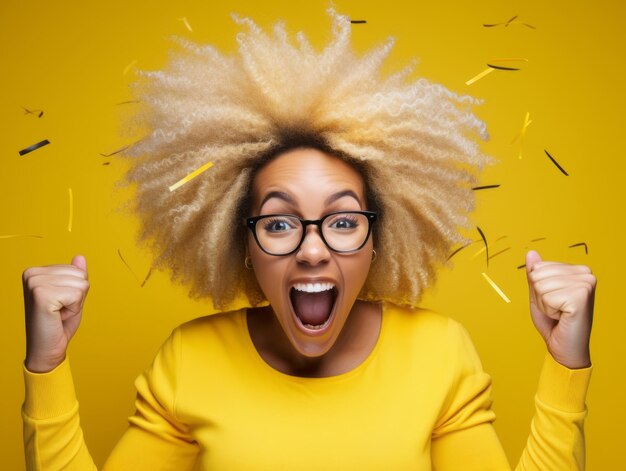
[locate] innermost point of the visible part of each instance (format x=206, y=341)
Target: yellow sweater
x=419, y=401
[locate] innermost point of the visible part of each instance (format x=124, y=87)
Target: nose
x=313, y=250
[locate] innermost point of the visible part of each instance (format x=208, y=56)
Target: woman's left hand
x=561, y=306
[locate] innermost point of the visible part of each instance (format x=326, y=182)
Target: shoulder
x=429, y=333
x=213, y=328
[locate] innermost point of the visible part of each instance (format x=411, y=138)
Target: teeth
x=313, y=287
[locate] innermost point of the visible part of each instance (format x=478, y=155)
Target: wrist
x=40, y=365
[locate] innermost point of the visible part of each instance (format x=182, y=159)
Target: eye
x=344, y=222
x=278, y=224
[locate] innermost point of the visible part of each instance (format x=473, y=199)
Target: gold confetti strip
x=186, y=23
x=522, y=133
x=191, y=176
x=127, y=102
x=510, y=22
x=580, y=244
x=496, y=288
x=121, y=149
x=538, y=239
x=476, y=78
x=128, y=67
x=13, y=236
x=38, y=113
x=71, y=216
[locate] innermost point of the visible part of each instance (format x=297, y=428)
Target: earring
x=248, y=263
x=373, y=255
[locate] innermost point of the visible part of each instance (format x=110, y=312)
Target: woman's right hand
x=53, y=300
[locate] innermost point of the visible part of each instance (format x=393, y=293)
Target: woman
x=332, y=197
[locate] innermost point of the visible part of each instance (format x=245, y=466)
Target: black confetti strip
x=521, y=266
x=45, y=142
x=38, y=113
x=556, y=163
x=499, y=67
x=498, y=253
x=485, y=187
x=538, y=239
x=580, y=244
x=358, y=22
x=482, y=235
x=121, y=149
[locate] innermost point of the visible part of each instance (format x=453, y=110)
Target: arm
x=561, y=305
x=53, y=439
x=464, y=437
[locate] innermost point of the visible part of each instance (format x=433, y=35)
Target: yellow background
x=68, y=59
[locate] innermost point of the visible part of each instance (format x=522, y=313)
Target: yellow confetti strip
x=186, y=23
x=191, y=176
x=476, y=78
x=522, y=132
x=129, y=66
x=13, y=236
x=71, y=216
x=496, y=288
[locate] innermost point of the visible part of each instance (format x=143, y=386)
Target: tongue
x=312, y=308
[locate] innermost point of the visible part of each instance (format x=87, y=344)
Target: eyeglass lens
x=342, y=231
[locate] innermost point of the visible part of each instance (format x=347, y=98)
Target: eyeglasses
x=283, y=234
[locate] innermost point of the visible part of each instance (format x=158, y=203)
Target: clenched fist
x=53, y=300
x=561, y=306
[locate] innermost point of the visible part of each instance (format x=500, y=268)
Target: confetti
x=186, y=23
x=498, y=253
x=191, y=176
x=45, y=142
x=39, y=113
x=510, y=22
x=106, y=163
x=121, y=149
x=128, y=67
x=521, y=266
x=496, y=288
x=13, y=236
x=145, y=280
x=127, y=102
x=485, y=187
x=522, y=133
x=482, y=235
x=500, y=67
x=556, y=163
x=476, y=78
x=538, y=239
x=71, y=215
x=580, y=244
x=458, y=250
x=141, y=283
x=358, y=22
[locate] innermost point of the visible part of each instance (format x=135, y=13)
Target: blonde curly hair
x=414, y=143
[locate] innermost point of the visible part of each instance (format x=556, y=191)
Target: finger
x=79, y=261
x=570, y=300
x=532, y=259
x=542, y=271
x=59, y=281
x=556, y=283
x=54, y=270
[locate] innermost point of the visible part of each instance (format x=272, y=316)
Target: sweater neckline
x=266, y=367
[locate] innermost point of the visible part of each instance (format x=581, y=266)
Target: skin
x=308, y=183
x=561, y=295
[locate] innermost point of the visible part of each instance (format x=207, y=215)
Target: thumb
x=532, y=259
x=79, y=261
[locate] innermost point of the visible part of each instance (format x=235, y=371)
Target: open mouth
x=313, y=304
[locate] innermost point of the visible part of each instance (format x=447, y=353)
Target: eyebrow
x=331, y=199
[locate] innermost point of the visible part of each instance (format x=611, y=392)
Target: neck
x=354, y=344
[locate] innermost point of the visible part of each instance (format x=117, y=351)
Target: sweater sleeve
x=464, y=437
x=53, y=438
x=155, y=439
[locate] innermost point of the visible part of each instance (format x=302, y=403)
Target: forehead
x=307, y=172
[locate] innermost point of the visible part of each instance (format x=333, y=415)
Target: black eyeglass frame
x=252, y=221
